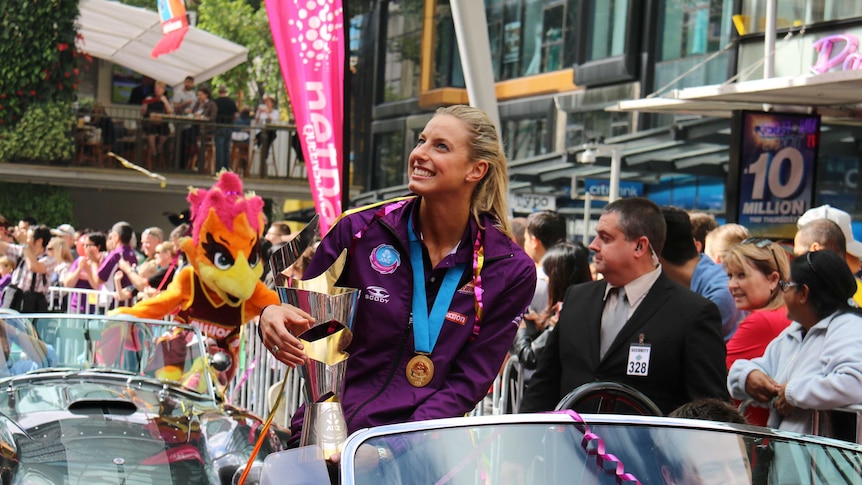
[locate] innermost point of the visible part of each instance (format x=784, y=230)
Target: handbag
x=12, y=298
x=33, y=302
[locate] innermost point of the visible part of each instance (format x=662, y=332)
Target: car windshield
x=558, y=453
x=100, y=344
x=103, y=400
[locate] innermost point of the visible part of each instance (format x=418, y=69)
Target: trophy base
x=324, y=426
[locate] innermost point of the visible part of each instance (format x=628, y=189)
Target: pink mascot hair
x=228, y=201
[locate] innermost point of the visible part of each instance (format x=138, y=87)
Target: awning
x=836, y=96
x=126, y=35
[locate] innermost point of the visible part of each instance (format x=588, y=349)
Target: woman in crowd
x=61, y=251
x=80, y=274
x=754, y=269
x=151, y=283
x=157, y=131
x=449, y=245
x=816, y=362
x=566, y=264
x=266, y=113
x=7, y=266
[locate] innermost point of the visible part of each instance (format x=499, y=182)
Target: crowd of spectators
x=767, y=302
x=716, y=314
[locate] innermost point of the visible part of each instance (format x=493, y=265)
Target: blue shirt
x=710, y=281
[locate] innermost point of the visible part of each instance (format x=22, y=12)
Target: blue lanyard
x=426, y=328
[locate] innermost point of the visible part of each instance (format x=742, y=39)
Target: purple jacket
x=377, y=391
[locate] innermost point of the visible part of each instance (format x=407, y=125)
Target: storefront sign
x=776, y=156
x=602, y=188
x=532, y=202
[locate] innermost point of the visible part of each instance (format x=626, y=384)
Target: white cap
x=64, y=230
x=837, y=216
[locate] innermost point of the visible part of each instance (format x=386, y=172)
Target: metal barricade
x=259, y=372
x=853, y=408
x=83, y=301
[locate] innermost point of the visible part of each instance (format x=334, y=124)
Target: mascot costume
x=220, y=289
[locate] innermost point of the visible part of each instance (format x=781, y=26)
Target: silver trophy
x=333, y=309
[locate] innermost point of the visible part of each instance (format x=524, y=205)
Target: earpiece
x=638, y=248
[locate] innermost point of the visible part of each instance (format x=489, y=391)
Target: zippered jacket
x=466, y=359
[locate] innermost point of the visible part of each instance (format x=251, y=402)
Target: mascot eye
x=222, y=260
x=254, y=257
x=218, y=253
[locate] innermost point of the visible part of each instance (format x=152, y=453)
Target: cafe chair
x=209, y=156
x=91, y=150
x=239, y=158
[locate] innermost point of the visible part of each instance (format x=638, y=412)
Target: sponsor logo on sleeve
x=456, y=317
x=467, y=289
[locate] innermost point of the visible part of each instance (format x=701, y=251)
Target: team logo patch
x=385, y=259
x=377, y=293
x=456, y=318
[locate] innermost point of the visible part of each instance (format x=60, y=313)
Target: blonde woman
x=450, y=245
x=62, y=253
x=157, y=131
x=755, y=269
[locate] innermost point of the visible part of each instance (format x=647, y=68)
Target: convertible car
x=565, y=448
x=104, y=400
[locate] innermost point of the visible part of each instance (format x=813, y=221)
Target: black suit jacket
x=683, y=329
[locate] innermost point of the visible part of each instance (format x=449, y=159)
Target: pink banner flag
x=309, y=40
x=172, y=14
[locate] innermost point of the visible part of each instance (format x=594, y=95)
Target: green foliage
x=40, y=59
x=43, y=134
x=48, y=204
x=239, y=21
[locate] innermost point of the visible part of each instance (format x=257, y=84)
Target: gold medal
x=420, y=370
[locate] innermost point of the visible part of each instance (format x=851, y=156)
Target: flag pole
x=345, y=150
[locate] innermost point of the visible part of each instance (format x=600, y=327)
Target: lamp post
x=593, y=150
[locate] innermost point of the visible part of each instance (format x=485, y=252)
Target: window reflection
x=403, y=48
x=527, y=37
x=794, y=13
x=609, y=29
x=389, y=154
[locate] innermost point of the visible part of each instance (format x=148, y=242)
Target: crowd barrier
x=259, y=376
x=256, y=382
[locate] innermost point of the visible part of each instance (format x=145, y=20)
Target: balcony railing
x=186, y=144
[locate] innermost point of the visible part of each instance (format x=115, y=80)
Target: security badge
x=638, y=364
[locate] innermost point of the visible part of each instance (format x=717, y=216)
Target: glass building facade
x=558, y=64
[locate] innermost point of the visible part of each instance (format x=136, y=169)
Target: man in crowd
x=67, y=232
x=702, y=224
x=150, y=238
x=636, y=326
x=682, y=263
x=185, y=97
x=544, y=229
x=226, y=114
x=278, y=233
x=183, y=100
x=826, y=227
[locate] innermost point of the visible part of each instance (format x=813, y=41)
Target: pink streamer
x=595, y=446
x=242, y=380
x=309, y=41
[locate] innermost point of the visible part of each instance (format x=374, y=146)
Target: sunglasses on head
x=760, y=242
